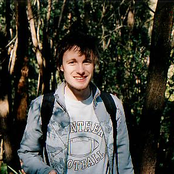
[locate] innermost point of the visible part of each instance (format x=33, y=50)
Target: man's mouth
x=80, y=78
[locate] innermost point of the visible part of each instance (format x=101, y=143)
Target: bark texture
x=156, y=86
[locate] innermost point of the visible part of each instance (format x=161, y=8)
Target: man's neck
x=75, y=94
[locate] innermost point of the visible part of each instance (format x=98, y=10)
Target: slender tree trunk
x=37, y=49
x=21, y=73
x=156, y=86
x=47, y=53
x=61, y=14
x=59, y=20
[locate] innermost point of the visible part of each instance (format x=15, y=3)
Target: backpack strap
x=46, y=113
x=111, y=109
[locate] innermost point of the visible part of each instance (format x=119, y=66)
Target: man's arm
x=30, y=152
x=124, y=158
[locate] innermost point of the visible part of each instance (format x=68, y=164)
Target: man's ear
x=61, y=68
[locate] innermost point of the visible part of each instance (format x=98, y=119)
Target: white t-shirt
x=87, y=147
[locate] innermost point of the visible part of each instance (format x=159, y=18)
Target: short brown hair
x=87, y=45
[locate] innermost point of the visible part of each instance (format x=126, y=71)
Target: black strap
x=46, y=112
x=111, y=109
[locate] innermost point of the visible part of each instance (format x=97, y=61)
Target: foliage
x=3, y=169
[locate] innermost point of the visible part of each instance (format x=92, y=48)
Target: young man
x=80, y=132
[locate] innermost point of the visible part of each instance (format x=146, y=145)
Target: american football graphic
x=82, y=146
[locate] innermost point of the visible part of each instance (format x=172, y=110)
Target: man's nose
x=80, y=69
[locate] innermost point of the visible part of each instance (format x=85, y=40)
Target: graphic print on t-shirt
x=87, y=147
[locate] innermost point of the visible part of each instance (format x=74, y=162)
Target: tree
x=6, y=152
x=21, y=76
x=37, y=46
x=5, y=120
x=156, y=85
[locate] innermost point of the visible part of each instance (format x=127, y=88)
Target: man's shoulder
x=37, y=100
x=110, y=96
x=117, y=100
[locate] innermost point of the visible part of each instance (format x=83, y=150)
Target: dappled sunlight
x=4, y=107
x=169, y=94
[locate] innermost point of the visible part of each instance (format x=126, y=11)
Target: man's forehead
x=87, y=53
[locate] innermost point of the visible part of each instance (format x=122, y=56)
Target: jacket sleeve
x=30, y=152
x=123, y=152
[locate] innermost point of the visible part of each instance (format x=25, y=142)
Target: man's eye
x=88, y=61
x=71, y=62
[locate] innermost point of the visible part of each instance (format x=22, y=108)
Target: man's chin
x=80, y=87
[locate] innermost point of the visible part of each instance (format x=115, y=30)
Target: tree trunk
x=156, y=86
x=5, y=93
x=37, y=49
x=5, y=121
x=21, y=74
x=61, y=14
x=47, y=53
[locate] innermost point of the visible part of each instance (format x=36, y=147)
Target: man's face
x=77, y=69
